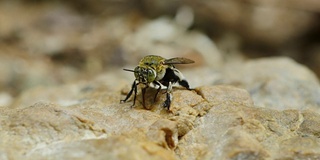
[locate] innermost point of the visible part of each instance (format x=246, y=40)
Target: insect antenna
x=129, y=70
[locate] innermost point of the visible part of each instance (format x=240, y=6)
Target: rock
x=53, y=44
x=257, y=21
x=209, y=122
x=164, y=133
x=115, y=147
x=22, y=72
x=300, y=148
x=94, y=113
x=310, y=124
x=278, y=83
x=43, y=124
x=238, y=131
x=153, y=38
x=5, y=99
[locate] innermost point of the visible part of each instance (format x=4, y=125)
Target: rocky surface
x=85, y=120
x=287, y=84
x=221, y=124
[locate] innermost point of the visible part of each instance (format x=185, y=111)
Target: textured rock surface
x=286, y=83
x=210, y=122
x=233, y=130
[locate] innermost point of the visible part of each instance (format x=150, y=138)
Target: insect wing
x=178, y=60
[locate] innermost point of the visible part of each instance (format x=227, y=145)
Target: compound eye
x=151, y=75
x=137, y=71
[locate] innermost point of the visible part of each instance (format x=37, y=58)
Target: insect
x=159, y=73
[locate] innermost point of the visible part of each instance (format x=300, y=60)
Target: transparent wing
x=178, y=60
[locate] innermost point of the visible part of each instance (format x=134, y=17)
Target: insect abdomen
x=171, y=75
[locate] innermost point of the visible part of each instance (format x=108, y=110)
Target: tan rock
x=238, y=131
x=164, y=133
x=278, y=83
x=210, y=122
x=310, y=124
x=115, y=147
x=300, y=148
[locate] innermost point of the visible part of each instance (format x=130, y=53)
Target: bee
x=159, y=73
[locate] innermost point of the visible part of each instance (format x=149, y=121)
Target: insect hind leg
x=167, y=103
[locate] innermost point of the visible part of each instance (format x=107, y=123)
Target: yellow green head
x=154, y=62
x=145, y=74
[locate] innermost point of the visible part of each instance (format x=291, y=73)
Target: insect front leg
x=135, y=95
x=133, y=88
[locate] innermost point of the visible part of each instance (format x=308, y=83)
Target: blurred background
x=52, y=42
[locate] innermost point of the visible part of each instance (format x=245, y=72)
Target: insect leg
x=133, y=87
x=135, y=95
x=158, y=90
x=167, y=103
x=143, y=96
